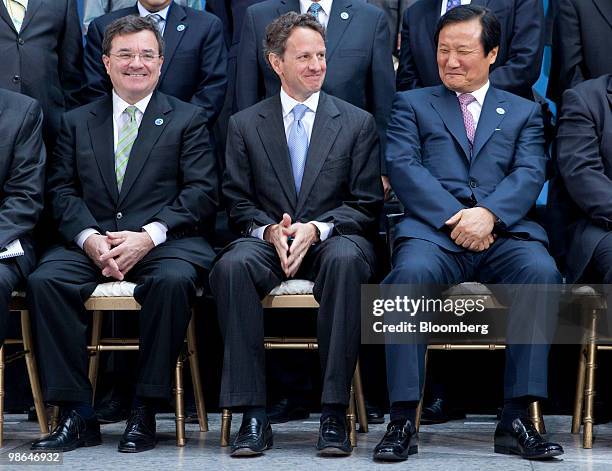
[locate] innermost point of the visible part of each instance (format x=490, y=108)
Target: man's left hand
x=304, y=235
x=128, y=248
x=386, y=183
x=472, y=227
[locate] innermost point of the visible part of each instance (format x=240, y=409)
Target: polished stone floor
x=459, y=445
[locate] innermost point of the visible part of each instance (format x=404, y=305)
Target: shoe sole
x=133, y=450
x=413, y=450
x=510, y=451
x=334, y=451
x=85, y=444
x=246, y=452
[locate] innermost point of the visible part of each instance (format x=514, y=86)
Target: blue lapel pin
x=180, y=28
x=159, y=122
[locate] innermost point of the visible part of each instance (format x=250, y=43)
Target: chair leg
x=350, y=419
x=179, y=402
x=1, y=395
x=26, y=334
x=226, y=424
x=194, y=367
x=55, y=412
x=360, y=399
x=417, y=419
x=535, y=413
x=579, y=400
x=94, y=359
x=589, y=390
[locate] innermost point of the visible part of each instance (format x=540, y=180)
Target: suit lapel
x=605, y=7
x=324, y=133
x=33, y=6
x=337, y=25
x=446, y=104
x=100, y=128
x=6, y=17
x=272, y=134
x=610, y=92
x=172, y=35
x=155, y=119
x=493, y=111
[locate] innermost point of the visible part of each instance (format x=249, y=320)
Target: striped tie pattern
x=127, y=136
x=157, y=20
x=297, y=142
x=314, y=10
x=17, y=12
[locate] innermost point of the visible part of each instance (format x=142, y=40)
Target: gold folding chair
x=18, y=304
x=298, y=294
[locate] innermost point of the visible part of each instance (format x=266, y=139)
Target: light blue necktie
x=450, y=4
x=298, y=145
x=314, y=10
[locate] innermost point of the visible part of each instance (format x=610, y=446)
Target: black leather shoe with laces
x=399, y=442
x=253, y=438
x=525, y=441
x=139, y=432
x=72, y=431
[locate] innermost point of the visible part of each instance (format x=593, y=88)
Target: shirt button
x=20, y=41
x=119, y=215
x=16, y=78
x=473, y=183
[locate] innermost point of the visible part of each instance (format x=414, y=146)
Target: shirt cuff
x=259, y=231
x=157, y=232
x=325, y=229
x=82, y=236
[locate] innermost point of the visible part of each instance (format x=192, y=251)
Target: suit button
x=119, y=215
x=16, y=78
x=473, y=183
x=20, y=41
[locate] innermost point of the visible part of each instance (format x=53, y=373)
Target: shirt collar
x=144, y=12
x=325, y=5
x=479, y=94
x=288, y=103
x=119, y=104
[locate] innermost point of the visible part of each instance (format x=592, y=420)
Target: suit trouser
x=507, y=261
x=57, y=290
x=247, y=271
x=10, y=276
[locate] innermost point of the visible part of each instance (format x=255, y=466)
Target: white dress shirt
x=156, y=230
x=24, y=3
x=323, y=12
x=476, y=106
x=163, y=13
x=287, y=105
x=443, y=8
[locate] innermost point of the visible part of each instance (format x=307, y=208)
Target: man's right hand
x=95, y=246
x=277, y=236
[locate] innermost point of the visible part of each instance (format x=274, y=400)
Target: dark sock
x=84, y=409
x=255, y=412
x=333, y=410
x=404, y=410
x=513, y=409
x=150, y=404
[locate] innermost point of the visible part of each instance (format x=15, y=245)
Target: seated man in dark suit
x=518, y=62
x=131, y=181
x=22, y=175
x=584, y=155
x=195, y=64
x=303, y=188
x=467, y=161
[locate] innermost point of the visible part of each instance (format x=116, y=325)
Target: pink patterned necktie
x=468, y=120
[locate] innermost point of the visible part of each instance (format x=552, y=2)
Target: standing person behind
x=42, y=56
x=22, y=178
x=194, y=68
x=301, y=165
x=394, y=11
x=132, y=179
x=518, y=62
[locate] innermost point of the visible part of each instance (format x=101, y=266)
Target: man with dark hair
x=302, y=184
x=467, y=161
x=519, y=59
x=131, y=182
x=22, y=179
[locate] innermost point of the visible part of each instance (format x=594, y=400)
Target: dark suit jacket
x=195, y=59
x=22, y=172
x=170, y=177
x=584, y=157
x=394, y=11
x=519, y=59
x=44, y=60
x=428, y=159
x=581, y=41
x=341, y=182
x=359, y=65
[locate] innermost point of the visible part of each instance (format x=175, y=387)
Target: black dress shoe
x=525, y=441
x=253, y=438
x=438, y=412
x=139, y=432
x=374, y=414
x=333, y=438
x=286, y=410
x=399, y=442
x=72, y=431
x=112, y=411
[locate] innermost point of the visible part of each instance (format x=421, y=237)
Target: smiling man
x=467, y=161
x=131, y=182
x=303, y=188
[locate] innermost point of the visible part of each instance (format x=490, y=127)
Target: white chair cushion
x=293, y=287
x=18, y=294
x=470, y=288
x=114, y=288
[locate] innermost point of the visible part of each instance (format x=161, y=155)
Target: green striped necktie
x=127, y=136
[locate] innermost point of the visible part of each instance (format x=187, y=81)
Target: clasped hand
x=472, y=228
x=117, y=252
x=303, y=235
